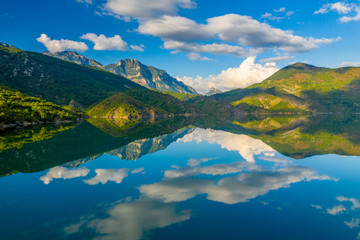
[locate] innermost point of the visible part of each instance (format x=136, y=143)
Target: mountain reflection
x=141, y=184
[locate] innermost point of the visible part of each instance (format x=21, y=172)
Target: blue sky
x=203, y=42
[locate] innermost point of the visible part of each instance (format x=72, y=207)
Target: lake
x=265, y=177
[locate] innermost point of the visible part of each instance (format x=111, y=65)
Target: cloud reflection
x=246, y=146
x=129, y=220
x=230, y=190
x=64, y=173
x=108, y=175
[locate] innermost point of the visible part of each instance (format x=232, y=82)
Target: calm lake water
x=270, y=178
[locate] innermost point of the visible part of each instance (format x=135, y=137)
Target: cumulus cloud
x=195, y=56
x=214, y=48
x=282, y=9
x=246, y=146
x=271, y=17
x=108, y=175
x=350, y=11
x=110, y=43
x=61, y=45
x=85, y=1
x=63, y=173
x=277, y=59
x=354, y=201
x=217, y=169
x=336, y=210
x=232, y=28
x=354, y=223
x=130, y=220
x=144, y=9
x=138, y=170
x=350, y=64
x=229, y=190
x=243, y=76
x=196, y=162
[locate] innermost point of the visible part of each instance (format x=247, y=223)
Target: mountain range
x=81, y=84
x=133, y=70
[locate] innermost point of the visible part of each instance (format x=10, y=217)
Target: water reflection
x=64, y=173
x=188, y=181
x=130, y=219
x=245, y=145
x=229, y=190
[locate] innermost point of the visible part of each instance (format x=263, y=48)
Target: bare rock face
x=213, y=91
x=74, y=57
x=148, y=76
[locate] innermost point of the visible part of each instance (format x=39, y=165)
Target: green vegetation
x=269, y=102
x=19, y=137
x=58, y=81
x=18, y=107
x=180, y=96
x=135, y=103
x=300, y=88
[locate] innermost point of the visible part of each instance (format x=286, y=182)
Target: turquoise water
x=194, y=183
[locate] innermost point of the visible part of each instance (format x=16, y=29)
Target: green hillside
x=135, y=103
x=300, y=88
x=17, y=107
x=57, y=81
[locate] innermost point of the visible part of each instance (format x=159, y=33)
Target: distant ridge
x=74, y=57
x=132, y=69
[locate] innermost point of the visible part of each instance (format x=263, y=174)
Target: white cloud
x=108, y=175
x=61, y=45
x=103, y=43
x=63, y=173
x=354, y=201
x=138, y=170
x=245, y=75
x=140, y=48
x=282, y=9
x=231, y=28
x=175, y=28
x=195, y=56
x=196, y=162
x=271, y=17
x=289, y=13
x=217, y=169
x=277, y=59
x=351, y=10
x=318, y=207
x=336, y=210
x=350, y=64
x=130, y=220
x=354, y=223
x=144, y=9
x=275, y=159
x=246, y=146
x=214, y=48
x=229, y=190
x=85, y=1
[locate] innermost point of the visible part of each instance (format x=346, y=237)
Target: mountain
x=213, y=91
x=74, y=57
x=148, y=76
x=132, y=69
x=58, y=81
x=67, y=83
x=300, y=88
